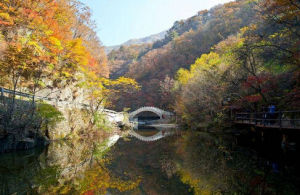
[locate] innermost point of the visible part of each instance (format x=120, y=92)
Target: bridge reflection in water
x=154, y=133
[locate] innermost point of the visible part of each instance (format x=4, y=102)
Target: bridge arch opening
x=147, y=115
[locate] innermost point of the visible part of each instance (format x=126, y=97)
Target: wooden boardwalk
x=275, y=120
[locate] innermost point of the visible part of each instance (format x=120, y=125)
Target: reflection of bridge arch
x=161, y=113
x=159, y=135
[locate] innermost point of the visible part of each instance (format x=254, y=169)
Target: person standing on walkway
x=271, y=114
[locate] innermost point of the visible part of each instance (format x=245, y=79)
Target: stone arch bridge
x=163, y=115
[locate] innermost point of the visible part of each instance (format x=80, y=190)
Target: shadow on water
x=17, y=169
x=181, y=162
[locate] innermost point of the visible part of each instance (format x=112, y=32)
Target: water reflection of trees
x=82, y=169
x=212, y=164
x=144, y=160
x=63, y=168
x=201, y=164
x=195, y=163
x=99, y=179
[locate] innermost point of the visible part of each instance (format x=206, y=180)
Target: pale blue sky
x=121, y=20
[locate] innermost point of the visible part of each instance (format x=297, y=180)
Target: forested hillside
x=51, y=44
x=244, y=56
x=47, y=40
x=183, y=44
x=251, y=70
x=119, y=60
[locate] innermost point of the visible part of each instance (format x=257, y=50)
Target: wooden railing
x=278, y=119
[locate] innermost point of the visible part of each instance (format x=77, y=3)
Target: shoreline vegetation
x=50, y=49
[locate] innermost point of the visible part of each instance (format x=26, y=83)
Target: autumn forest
x=223, y=84
x=245, y=51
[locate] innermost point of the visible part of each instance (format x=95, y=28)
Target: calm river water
x=180, y=162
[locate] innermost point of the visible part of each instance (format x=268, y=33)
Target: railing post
x=280, y=119
x=2, y=94
x=265, y=118
x=255, y=118
x=294, y=120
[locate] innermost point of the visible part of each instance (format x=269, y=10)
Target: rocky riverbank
x=74, y=123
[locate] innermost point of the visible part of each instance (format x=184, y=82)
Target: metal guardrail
x=278, y=119
x=27, y=95
x=35, y=97
x=3, y=90
x=22, y=94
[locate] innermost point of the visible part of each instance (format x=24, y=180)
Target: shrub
x=49, y=115
x=102, y=122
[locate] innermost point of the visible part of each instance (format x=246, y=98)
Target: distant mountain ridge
x=149, y=39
